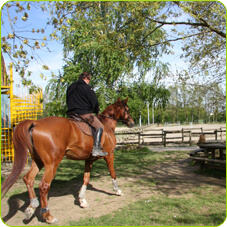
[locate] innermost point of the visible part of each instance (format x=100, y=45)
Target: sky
x=54, y=59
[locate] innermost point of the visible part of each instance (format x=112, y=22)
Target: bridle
x=119, y=120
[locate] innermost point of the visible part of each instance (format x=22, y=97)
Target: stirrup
x=96, y=151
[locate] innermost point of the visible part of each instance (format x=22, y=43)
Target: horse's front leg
x=110, y=163
x=87, y=171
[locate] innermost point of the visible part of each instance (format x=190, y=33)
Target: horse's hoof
x=83, y=203
x=29, y=212
x=119, y=192
x=53, y=221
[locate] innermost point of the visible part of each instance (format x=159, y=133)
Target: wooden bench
x=220, y=164
x=193, y=153
x=212, y=153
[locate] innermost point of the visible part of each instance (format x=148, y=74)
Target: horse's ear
x=125, y=101
x=119, y=99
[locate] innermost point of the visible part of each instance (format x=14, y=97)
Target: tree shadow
x=58, y=188
x=68, y=181
x=168, y=176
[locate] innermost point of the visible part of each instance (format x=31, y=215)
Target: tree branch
x=196, y=24
x=222, y=34
x=128, y=22
x=166, y=41
x=152, y=32
x=177, y=39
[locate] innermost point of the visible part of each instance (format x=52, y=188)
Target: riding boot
x=96, y=151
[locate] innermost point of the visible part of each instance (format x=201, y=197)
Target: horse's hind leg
x=44, y=188
x=29, y=181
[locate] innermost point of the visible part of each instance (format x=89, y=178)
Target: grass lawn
x=203, y=204
x=205, y=207
x=164, y=211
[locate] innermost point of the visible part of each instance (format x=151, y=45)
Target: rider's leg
x=94, y=122
x=96, y=151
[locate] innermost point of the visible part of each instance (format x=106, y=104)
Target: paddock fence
x=148, y=136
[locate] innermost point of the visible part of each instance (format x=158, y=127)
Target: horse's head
x=123, y=112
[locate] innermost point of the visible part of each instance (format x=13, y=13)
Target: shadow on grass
x=68, y=181
x=69, y=176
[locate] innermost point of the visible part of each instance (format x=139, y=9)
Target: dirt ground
x=175, y=179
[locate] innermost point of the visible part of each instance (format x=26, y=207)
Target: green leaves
x=142, y=93
x=192, y=103
x=206, y=50
x=116, y=40
x=111, y=39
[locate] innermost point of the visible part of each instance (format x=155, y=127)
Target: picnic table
x=210, y=153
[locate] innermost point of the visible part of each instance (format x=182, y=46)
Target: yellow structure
x=13, y=110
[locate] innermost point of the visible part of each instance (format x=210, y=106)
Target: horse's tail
x=22, y=143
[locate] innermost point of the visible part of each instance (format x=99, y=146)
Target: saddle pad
x=84, y=127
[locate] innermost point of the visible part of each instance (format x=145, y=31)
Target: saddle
x=82, y=125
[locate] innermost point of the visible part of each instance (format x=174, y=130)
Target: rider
x=81, y=99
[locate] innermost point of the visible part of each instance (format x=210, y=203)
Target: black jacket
x=81, y=99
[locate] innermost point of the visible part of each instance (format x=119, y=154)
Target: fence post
x=221, y=132
x=162, y=136
x=190, y=137
x=164, y=139
x=182, y=135
x=216, y=134
x=139, y=137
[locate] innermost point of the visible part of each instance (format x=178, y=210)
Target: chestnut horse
x=49, y=140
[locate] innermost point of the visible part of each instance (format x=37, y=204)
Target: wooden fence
x=143, y=136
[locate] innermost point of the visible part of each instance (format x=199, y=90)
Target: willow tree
x=109, y=39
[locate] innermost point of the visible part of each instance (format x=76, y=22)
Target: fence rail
x=163, y=137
